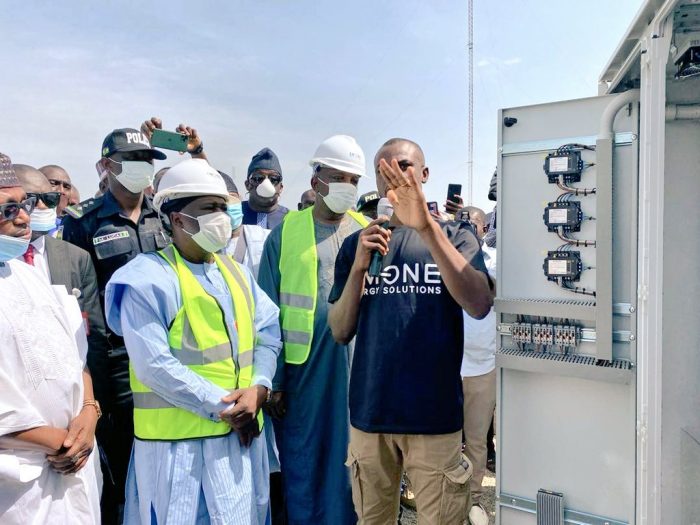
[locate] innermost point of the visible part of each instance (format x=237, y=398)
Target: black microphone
x=376, y=263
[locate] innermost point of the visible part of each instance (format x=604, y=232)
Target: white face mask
x=266, y=189
x=136, y=175
x=43, y=220
x=214, y=231
x=341, y=196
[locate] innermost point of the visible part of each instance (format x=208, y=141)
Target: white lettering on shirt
x=416, y=278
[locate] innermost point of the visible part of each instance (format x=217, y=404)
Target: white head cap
x=189, y=178
x=342, y=153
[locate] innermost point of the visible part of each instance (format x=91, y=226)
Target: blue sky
x=287, y=74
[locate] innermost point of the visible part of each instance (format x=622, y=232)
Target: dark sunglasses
x=66, y=185
x=10, y=211
x=50, y=198
x=258, y=179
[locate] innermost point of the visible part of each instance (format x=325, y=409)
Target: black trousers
x=115, y=437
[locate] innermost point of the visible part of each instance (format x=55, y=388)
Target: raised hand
x=149, y=125
x=194, y=141
x=405, y=193
x=454, y=206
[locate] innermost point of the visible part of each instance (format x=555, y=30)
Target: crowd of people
x=173, y=354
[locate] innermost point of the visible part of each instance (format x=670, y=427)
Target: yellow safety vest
x=199, y=339
x=299, y=282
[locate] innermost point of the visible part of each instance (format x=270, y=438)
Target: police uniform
x=99, y=227
x=112, y=240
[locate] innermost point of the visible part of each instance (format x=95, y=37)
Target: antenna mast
x=470, y=149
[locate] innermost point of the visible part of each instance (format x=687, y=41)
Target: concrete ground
x=488, y=500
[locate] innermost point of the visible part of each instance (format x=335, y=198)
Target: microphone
x=376, y=263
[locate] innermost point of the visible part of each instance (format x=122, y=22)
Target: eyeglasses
x=10, y=210
x=50, y=198
x=258, y=179
x=66, y=185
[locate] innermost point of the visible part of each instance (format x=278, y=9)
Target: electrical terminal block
x=521, y=333
x=567, y=336
x=543, y=334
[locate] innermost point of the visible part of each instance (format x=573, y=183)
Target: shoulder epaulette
x=79, y=210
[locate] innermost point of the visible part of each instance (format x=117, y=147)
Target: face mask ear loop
x=189, y=217
x=109, y=170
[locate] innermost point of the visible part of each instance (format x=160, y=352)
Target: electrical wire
x=575, y=191
x=574, y=146
x=575, y=242
x=578, y=290
x=568, y=192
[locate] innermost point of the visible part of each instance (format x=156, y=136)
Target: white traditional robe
x=42, y=355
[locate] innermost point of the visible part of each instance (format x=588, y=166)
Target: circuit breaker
x=566, y=287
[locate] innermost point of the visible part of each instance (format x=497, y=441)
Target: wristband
x=199, y=149
x=93, y=403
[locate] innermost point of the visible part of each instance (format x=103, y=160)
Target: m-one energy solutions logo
x=422, y=279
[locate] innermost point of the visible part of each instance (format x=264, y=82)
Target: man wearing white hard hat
x=203, y=341
x=310, y=398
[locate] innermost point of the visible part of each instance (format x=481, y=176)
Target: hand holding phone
x=169, y=140
x=454, y=200
x=153, y=129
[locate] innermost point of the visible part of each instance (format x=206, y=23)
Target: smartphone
x=169, y=140
x=433, y=207
x=452, y=191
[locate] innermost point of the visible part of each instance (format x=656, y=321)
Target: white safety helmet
x=342, y=153
x=189, y=178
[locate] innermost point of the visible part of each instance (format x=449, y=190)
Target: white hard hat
x=340, y=152
x=189, y=178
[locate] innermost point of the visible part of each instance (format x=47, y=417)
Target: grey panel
x=690, y=475
x=567, y=424
x=564, y=365
x=510, y=502
x=578, y=309
x=570, y=435
x=524, y=192
x=681, y=306
x=516, y=517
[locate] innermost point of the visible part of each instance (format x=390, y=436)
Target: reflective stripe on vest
x=299, y=286
x=199, y=339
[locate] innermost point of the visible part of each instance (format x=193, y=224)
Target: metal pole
x=470, y=150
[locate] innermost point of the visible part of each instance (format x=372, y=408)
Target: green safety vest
x=199, y=339
x=299, y=282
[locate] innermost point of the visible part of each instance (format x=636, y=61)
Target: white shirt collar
x=40, y=244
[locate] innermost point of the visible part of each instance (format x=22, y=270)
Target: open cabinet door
x=567, y=288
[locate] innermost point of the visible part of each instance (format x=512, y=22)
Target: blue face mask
x=12, y=247
x=235, y=212
x=43, y=220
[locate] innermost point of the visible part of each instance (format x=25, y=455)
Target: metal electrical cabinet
x=566, y=358
x=599, y=396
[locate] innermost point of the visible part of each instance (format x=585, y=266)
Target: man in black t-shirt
x=405, y=384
